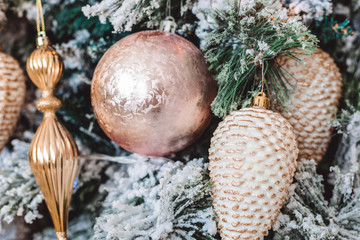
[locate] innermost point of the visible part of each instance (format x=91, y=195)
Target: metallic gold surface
x=42, y=39
x=53, y=152
x=261, y=101
x=252, y=161
x=12, y=96
x=61, y=235
x=312, y=107
x=45, y=67
x=151, y=93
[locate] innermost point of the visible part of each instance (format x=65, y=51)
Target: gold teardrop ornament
x=53, y=154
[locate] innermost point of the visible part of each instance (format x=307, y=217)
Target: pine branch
x=243, y=40
x=307, y=215
x=175, y=203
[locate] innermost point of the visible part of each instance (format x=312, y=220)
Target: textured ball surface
x=12, y=95
x=252, y=162
x=314, y=103
x=151, y=93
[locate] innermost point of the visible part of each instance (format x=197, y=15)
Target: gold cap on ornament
x=261, y=101
x=42, y=39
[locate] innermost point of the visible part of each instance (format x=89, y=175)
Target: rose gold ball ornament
x=151, y=93
x=12, y=95
x=53, y=152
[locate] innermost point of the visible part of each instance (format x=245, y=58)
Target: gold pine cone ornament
x=53, y=152
x=313, y=104
x=252, y=162
x=12, y=95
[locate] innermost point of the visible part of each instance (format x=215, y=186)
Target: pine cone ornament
x=252, y=162
x=314, y=102
x=12, y=95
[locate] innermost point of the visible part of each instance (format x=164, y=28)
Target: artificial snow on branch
x=205, y=20
x=124, y=14
x=307, y=215
x=80, y=228
x=162, y=200
x=348, y=154
x=20, y=195
x=310, y=10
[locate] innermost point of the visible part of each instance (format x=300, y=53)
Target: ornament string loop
x=168, y=8
x=261, y=100
x=262, y=76
x=40, y=26
x=39, y=18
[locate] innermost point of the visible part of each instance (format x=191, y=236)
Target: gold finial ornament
x=53, y=154
x=261, y=101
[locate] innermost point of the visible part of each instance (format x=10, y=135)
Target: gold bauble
x=252, y=163
x=53, y=154
x=12, y=96
x=313, y=105
x=151, y=93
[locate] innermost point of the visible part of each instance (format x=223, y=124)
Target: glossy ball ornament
x=151, y=93
x=12, y=96
x=313, y=104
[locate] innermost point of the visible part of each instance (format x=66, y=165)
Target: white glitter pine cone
x=313, y=105
x=12, y=95
x=252, y=162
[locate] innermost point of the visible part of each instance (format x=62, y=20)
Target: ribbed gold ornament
x=12, y=95
x=252, y=162
x=313, y=105
x=53, y=152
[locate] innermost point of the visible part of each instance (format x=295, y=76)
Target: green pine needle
x=246, y=39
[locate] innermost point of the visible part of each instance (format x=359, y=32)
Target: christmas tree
x=250, y=46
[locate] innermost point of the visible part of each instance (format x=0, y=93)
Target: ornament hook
x=39, y=17
x=41, y=39
x=168, y=8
